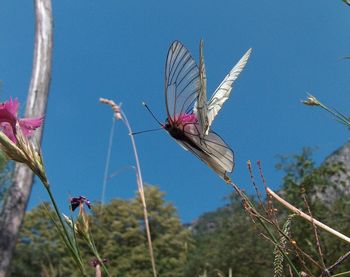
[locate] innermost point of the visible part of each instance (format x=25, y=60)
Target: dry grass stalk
x=120, y=115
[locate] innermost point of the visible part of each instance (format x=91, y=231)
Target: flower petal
x=11, y=106
x=29, y=124
x=7, y=129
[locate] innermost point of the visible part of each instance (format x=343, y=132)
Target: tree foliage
x=224, y=241
x=119, y=234
x=39, y=249
x=322, y=190
x=228, y=240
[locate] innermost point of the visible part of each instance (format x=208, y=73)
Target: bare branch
x=18, y=194
x=307, y=217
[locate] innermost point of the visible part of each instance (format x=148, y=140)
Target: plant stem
x=262, y=223
x=346, y=273
x=92, y=246
x=307, y=217
x=342, y=118
x=119, y=114
x=109, y=151
x=142, y=193
x=71, y=245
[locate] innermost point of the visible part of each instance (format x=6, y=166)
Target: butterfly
x=189, y=114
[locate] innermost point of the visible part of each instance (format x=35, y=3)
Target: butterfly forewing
x=182, y=81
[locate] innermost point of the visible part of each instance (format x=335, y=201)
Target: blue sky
x=117, y=50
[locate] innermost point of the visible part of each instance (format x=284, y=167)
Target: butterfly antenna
x=146, y=131
x=162, y=125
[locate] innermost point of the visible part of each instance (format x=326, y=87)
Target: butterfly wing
x=222, y=93
x=211, y=149
x=201, y=108
x=185, y=84
x=182, y=82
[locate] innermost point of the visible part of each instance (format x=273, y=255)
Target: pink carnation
x=8, y=120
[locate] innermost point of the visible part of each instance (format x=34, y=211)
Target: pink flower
x=8, y=120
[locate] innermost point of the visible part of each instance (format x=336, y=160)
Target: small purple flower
x=95, y=262
x=75, y=202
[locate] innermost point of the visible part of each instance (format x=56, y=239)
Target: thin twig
x=262, y=221
x=318, y=244
x=298, y=251
x=261, y=174
x=338, y=262
x=270, y=207
x=342, y=274
x=109, y=151
x=290, y=271
x=307, y=217
x=120, y=170
x=258, y=193
x=300, y=255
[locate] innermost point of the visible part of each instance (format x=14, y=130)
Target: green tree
x=323, y=189
x=224, y=240
x=228, y=240
x=121, y=236
x=118, y=231
x=39, y=250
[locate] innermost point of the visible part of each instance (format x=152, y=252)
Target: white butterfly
x=189, y=116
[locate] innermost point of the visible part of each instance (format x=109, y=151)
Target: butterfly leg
x=227, y=179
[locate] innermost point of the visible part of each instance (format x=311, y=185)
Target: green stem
x=341, y=117
x=262, y=223
x=345, y=273
x=92, y=246
x=70, y=244
x=75, y=240
x=278, y=246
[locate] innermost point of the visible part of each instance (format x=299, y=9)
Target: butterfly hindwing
x=211, y=149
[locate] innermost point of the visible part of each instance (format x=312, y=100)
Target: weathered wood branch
x=18, y=194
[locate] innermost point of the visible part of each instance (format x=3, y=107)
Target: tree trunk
x=18, y=193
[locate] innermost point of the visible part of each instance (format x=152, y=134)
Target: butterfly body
x=177, y=130
x=211, y=149
x=189, y=114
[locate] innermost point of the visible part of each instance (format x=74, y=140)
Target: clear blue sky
x=117, y=49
